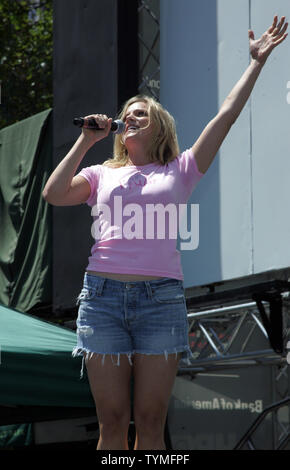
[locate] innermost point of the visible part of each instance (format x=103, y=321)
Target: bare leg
x=154, y=377
x=110, y=387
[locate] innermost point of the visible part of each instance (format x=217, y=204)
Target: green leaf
x=26, y=58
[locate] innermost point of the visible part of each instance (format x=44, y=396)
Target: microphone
x=117, y=127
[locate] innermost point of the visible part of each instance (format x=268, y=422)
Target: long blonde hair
x=164, y=147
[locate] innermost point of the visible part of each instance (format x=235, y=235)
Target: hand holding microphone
x=101, y=123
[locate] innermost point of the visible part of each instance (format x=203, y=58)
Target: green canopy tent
x=25, y=218
x=39, y=378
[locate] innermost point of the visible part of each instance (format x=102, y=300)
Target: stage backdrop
x=244, y=196
x=95, y=71
x=25, y=218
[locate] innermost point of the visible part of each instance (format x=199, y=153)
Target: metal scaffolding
x=245, y=327
x=149, y=50
x=230, y=333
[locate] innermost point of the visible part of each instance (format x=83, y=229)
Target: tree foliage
x=25, y=58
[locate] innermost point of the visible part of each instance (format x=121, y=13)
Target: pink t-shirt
x=134, y=232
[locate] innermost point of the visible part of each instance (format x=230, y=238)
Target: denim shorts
x=120, y=317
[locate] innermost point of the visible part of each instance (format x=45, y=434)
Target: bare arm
x=62, y=187
x=210, y=140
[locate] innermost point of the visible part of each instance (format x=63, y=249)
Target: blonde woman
x=132, y=317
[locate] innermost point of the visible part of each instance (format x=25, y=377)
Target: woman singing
x=132, y=317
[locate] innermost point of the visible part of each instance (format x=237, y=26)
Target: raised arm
x=210, y=140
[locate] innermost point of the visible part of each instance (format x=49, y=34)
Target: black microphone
x=117, y=127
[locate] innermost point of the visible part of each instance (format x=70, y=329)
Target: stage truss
x=245, y=327
x=228, y=337
x=149, y=48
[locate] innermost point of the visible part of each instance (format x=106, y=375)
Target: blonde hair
x=164, y=147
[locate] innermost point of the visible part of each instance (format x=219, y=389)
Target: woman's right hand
x=95, y=135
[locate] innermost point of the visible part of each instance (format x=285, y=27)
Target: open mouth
x=132, y=128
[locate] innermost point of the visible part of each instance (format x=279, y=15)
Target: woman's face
x=136, y=123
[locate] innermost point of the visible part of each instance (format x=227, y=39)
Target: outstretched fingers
x=281, y=36
x=277, y=30
x=279, y=26
x=271, y=29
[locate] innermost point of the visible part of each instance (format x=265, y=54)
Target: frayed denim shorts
x=120, y=317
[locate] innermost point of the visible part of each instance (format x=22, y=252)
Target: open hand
x=261, y=48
